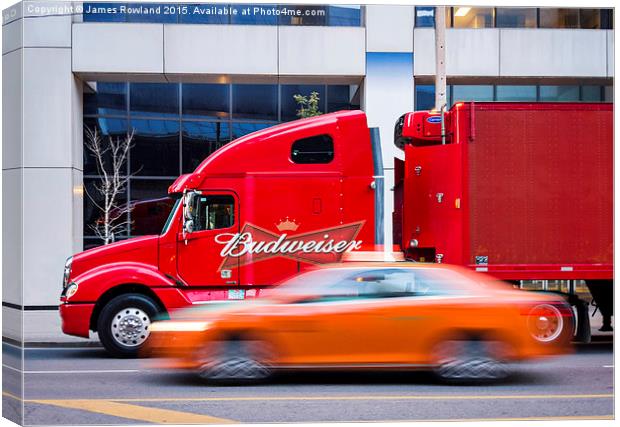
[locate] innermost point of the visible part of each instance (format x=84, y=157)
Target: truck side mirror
x=188, y=212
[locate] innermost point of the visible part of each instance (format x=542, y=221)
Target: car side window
x=214, y=212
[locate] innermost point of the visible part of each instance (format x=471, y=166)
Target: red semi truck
x=521, y=191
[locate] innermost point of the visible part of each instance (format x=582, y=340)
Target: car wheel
x=235, y=360
x=470, y=360
x=123, y=324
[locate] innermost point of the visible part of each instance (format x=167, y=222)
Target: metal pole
x=440, y=57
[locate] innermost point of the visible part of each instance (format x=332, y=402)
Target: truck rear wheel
x=124, y=322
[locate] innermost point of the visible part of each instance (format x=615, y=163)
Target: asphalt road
x=85, y=386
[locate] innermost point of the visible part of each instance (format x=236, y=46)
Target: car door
x=199, y=261
x=357, y=320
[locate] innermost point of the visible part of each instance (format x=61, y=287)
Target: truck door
x=198, y=255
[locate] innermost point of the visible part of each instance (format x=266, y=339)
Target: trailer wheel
x=124, y=322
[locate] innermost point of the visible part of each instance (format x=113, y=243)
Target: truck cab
x=255, y=212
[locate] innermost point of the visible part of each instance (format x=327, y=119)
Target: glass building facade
x=517, y=17
x=174, y=127
x=425, y=93
x=223, y=14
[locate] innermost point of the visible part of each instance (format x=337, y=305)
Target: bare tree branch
x=111, y=184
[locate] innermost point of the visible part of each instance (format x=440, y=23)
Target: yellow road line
x=135, y=412
x=12, y=396
x=361, y=397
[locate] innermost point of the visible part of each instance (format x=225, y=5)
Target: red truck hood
x=139, y=249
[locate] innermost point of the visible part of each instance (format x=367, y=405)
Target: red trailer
x=519, y=190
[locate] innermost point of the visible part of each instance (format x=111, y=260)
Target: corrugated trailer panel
x=540, y=183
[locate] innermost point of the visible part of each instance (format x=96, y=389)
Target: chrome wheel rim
x=545, y=322
x=130, y=327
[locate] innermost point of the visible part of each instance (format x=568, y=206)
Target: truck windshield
x=172, y=212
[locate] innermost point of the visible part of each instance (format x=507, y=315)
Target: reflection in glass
x=559, y=18
x=241, y=129
x=344, y=16
x=258, y=102
x=424, y=97
x=106, y=128
x=308, y=15
x=589, y=18
x=559, y=93
x=342, y=97
x=516, y=93
x=473, y=17
x=591, y=93
x=156, y=148
x=472, y=93
x=149, y=206
x=93, y=201
x=260, y=14
x=200, y=139
x=105, y=98
x=154, y=99
x=201, y=100
x=289, y=106
x=515, y=17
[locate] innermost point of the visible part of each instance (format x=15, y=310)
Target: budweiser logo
x=255, y=244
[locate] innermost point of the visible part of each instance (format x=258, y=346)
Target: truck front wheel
x=124, y=323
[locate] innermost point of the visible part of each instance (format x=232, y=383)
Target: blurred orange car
x=460, y=324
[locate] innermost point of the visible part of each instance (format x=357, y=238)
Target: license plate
x=236, y=294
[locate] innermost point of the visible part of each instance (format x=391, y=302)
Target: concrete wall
x=42, y=164
x=511, y=52
x=173, y=49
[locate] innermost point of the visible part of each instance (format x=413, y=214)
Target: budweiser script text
x=239, y=244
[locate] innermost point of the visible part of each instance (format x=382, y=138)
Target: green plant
x=308, y=106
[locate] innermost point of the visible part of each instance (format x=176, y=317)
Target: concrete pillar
x=388, y=87
x=41, y=169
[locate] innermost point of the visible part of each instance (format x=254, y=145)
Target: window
x=472, y=93
x=515, y=17
x=559, y=93
x=425, y=17
x=258, y=102
x=289, y=106
x=516, y=93
x=591, y=93
x=313, y=150
x=205, y=100
x=105, y=98
x=214, y=212
x=106, y=128
x=155, y=150
x=154, y=99
x=589, y=18
x=559, y=18
x=472, y=17
x=424, y=97
x=149, y=206
x=200, y=140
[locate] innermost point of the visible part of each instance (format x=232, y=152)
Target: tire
x=123, y=324
x=235, y=361
x=470, y=361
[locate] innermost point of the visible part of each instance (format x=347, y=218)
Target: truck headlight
x=71, y=290
x=67, y=272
